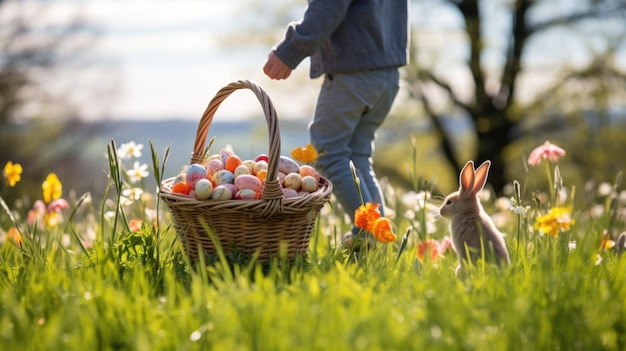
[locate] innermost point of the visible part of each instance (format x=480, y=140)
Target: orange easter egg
x=232, y=162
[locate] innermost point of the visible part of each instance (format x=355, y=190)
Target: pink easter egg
x=214, y=166
x=288, y=193
x=306, y=170
x=248, y=181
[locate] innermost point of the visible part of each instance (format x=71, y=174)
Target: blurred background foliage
x=477, y=88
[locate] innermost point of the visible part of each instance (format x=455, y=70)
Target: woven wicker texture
x=267, y=225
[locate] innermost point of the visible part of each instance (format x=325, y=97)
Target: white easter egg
x=248, y=181
x=309, y=183
x=232, y=188
x=222, y=192
x=194, y=173
x=204, y=189
x=287, y=165
x=293, y=181
x=222, y=177
x=180, y=178
x=240, y=170
x=261, y=165
x=246, y=194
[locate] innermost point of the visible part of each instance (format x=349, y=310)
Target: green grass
x=137, y=291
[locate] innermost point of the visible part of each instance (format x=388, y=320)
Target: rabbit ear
x=466, y=179
x=480, y=177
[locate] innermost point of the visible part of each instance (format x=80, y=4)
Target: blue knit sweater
x=344, y=36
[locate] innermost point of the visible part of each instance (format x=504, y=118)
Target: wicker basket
x=245, y=227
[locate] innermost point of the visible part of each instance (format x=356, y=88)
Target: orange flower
x=14, y=235
x=364, y=216
x=381, y=229
x=434, y=248
x=135, y=225
x=305, y=154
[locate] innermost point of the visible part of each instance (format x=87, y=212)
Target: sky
x=157, y=59
x=166, y=59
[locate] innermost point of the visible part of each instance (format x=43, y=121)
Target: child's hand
x=275, y=68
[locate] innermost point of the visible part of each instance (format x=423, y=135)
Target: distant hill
x=248, y=138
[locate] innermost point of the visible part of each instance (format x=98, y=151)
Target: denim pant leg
x=350, y=108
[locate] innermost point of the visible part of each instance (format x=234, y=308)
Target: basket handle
x=272, y=190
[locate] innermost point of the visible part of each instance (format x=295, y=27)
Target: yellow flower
x=52, y=188
x=305, y=154
x=52, y=219
x=551, y=222
x=606, y=243
x=12, y=173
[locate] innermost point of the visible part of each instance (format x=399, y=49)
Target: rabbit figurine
x=471, y=228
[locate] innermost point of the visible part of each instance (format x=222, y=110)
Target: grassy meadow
x=76, y=274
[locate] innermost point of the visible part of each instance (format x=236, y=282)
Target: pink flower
x=58, y=205
x=547, y=150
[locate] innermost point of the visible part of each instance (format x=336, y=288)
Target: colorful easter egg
x=246, y=194
x=248, y=181
x=293, y=181
x=226, y=153
x=222, y=192
x=194, y=173
x=232, y=188
x=287, y=165
x=204, y=189
x=214, y=166
x=222, y=177
x=309, y=183
x=251, y=165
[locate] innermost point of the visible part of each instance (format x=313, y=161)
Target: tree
x=39, y=127
x=505, y=82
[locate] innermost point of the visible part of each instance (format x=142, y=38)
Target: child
x=358, y=45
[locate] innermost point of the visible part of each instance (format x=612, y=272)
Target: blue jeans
x=350, y=108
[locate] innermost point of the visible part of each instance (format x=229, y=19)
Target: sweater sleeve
x=304, y=38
